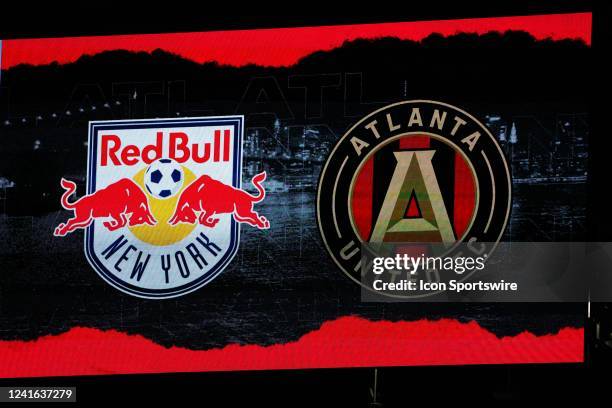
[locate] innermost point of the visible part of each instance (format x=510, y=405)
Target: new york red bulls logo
x=164, y=202
x=413, y=172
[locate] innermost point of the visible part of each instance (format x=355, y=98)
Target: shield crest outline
x=235, y=121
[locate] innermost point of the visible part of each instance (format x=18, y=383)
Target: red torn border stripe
x=282, y=46
x=346, y=342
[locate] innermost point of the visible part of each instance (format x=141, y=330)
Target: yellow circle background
x=162, y=233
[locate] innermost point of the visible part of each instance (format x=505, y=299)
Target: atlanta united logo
x=164, y=203
x=413, y=172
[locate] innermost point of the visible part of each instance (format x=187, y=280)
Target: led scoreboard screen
x=200, y=201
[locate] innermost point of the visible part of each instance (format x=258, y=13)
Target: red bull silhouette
x=122, y=201
x=210, y=197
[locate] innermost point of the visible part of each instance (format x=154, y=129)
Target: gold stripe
x=492, y=189
x=334, y=197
